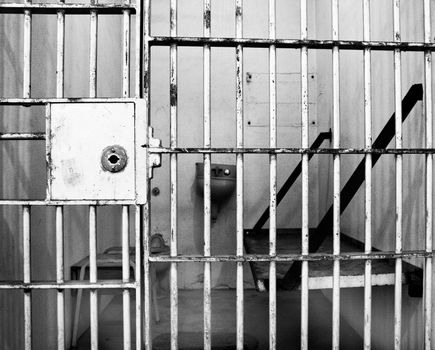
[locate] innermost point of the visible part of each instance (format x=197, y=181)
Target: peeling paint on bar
x=293, y=43
x=70, y=9
x=163, y=150
x=14, y=136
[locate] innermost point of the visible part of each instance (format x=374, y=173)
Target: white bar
x=207, y=169
x=126, y=276
x=272, y=176
x=429, y=178
x=337, y=177
x=239, y=179
x=399, y=176
x=93, y=54
x=138, y=276
x=174, y=175
x=304, y=131
x=26, y=279
x=60, y=278
x=143, y=244
x=60, y=54
x=27, y=52
x=126, y=52
x=93, y=275
x=368, y=178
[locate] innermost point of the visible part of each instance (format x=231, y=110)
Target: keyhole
x=113, y=159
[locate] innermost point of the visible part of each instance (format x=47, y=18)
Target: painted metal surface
x=80, y=135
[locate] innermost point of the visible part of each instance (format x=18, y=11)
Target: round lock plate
x=114, y=158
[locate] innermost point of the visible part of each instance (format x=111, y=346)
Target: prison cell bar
x=305, y=140
x=207, y=170
x=55, y=8
x=60, y=274
x=429, y=177
x=399, y=176
x=368, y=177
x=173, y=72
x=125, y=209
x=27, y=32
x=146, y=207
x=272, y=175
x=240, y=176
x=337, y=177
x=293, y=43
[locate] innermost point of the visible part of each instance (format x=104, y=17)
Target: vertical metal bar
x=272, y=176
x=60, y=53
x=207, y=169
x=27, y=51
x=126, y=276
x=59, y=209
x=174, y=179
x=304, y=132
x=26, y=279
x=142, y=32
x=399, y=175
x=138, y=275
x=368, y=178
x=429, y=178
x=336, y=166
x=93, y=275
x=126, y=52
x=239, y=180
x=93, y=54
x=60, y=279
x=146, y=208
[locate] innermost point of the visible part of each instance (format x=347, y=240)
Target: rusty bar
x=272, y=175
x=66, y=285
x=27, y=49
x=13, y=136
x=53, y=8
x=337, y=177
x=42, y=101
x=126, y=51
x=429, y=177
x=93, y=42
x=368, y=177
x=174, y=174
x=399, y=176
x=60, y=53
x=240, y=176
x=309, y=151
x=207, y=170
x=293, y=43
x=304, y=140
x=62, y=202
x=60, y=278
x=26, y=278
x=138, y=275
x=126, y=276
x=93, y=275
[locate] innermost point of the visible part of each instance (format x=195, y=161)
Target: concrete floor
x=224, y=319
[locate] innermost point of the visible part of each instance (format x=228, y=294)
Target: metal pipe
x=60, y=278
x=240, y=176
x=93, y=275
x=174, y=174
x=272, y=175
x=93, y=43
x=429, y=177
x=399, y=176
x=27, y=278
x=368, y=177
x=14, y=136
x=126, y=276
x=138, y=275
x=337, y=177
x=304, y=136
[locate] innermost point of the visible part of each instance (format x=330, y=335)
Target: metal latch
x=155, y=160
